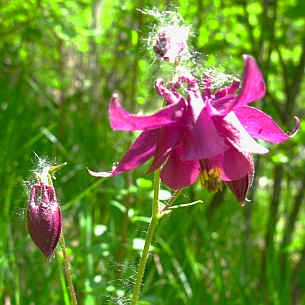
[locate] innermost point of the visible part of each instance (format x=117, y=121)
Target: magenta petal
x=241, y=186
x=233, y=164
x=99, y=174
x=260, y=125
x=170, y=96
x=222, y=105
x=201, y=140
x=177, y=173
x=230, y=127
x=228, y=90
x=120, y=119
x=207, y=87
x=253, y=87
x=167, y=139
x=140, y=151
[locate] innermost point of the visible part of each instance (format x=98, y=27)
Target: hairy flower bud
x=44, y=218
x=171, y=42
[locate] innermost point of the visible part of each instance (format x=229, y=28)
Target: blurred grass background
x=60, y=61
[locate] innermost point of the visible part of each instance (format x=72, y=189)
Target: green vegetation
x=60, y=62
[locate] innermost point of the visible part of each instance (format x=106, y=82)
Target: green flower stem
x=67, y=269
x=149, y=236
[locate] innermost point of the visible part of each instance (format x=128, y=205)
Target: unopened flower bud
x=171, y=42
x=44, y=218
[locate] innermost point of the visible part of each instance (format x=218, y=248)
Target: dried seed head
x=44, y=218
x=171, y=42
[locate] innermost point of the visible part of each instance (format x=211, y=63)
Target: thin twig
x=185, y=205
x=170, y=202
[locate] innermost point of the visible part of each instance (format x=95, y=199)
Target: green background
x=60, y=61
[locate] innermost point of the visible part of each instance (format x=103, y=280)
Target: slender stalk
x=67, y=270
x=149, y=236
x=63, y=282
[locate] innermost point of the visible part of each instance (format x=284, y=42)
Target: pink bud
x=44, y=218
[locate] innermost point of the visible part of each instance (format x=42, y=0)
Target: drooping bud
x=44, y=218
x=171, y=42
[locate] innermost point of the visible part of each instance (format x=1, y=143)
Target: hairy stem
x=68, y=270
x=148, y=240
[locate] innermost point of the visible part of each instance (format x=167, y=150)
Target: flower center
x=209, y=177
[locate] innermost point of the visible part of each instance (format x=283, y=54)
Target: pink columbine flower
x=206, y=134
x=44, y=218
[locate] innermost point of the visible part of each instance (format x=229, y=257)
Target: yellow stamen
x=204, y=174
x=209, y=179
